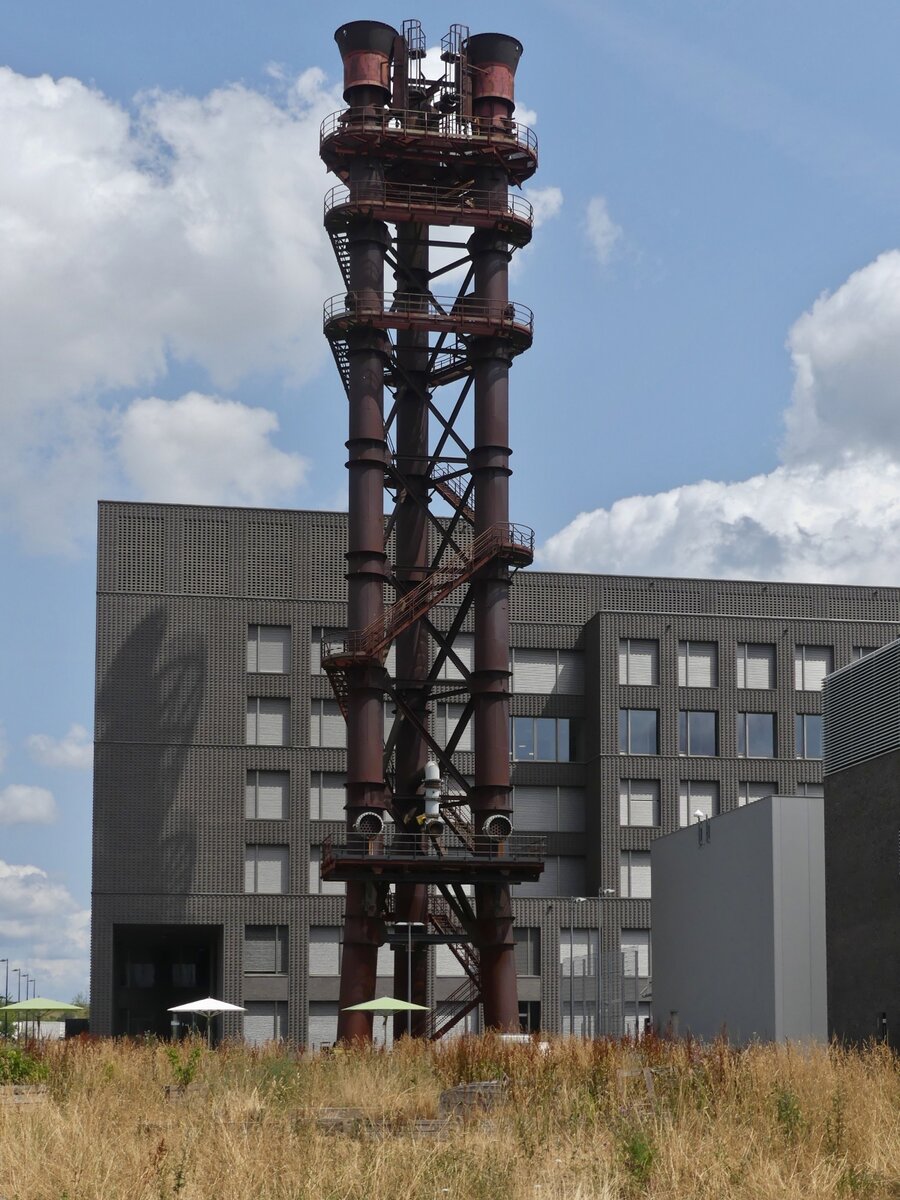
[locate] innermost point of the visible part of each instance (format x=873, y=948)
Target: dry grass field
x=763, y=1122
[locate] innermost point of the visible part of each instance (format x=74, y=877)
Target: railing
x=431, y=199
x=455, y=312
x=440, y=126
x=374, y=640
x=411, y=847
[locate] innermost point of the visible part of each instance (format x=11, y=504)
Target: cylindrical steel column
x=365, y=48
x=493, y=59
x=411, y=351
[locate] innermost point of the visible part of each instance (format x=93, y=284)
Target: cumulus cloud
x=603, y=233
x=21, y=804
x=830, y=512
x=206, y=450
x=187, y=229
x=75, y=749
x=42, y=924
x=547, y=203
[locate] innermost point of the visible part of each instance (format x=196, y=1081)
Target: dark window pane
x=565, y=750
x=742, y=733
x=623, y=731
x=760, y=735
x=643, y=731
x=798, y=736
x=545, y=736
x=702, y=733
x=682, y=733
x=809, y=736
x=523, y=738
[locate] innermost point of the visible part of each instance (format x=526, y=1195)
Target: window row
x=698, y=664
x=698, y=733
x=541, y=672
x=639, y=798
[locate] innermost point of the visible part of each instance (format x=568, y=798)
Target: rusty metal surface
x=415, y=154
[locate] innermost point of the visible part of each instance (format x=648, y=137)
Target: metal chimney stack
x=421, y=159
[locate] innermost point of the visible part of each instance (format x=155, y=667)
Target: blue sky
x=716, y=282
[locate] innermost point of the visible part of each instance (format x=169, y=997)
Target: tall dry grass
x=763, y=1122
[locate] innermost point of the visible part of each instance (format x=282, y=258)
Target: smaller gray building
x=738, y=918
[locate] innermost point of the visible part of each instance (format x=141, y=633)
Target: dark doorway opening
x=158, y=966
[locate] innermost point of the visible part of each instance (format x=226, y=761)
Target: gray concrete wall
x=738, y=923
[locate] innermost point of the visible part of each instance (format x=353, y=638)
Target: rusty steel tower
x=425, y=166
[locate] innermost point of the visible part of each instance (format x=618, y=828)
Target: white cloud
x=75, y=749
x=546, y=201
x=602, y=232
x=830, y=512
x=43, y=926
x=189, y=229
x=206, y=450
x=21, y=804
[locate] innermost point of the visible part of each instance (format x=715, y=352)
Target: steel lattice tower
x=419, y=158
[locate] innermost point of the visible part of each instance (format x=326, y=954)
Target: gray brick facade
x=178, y=589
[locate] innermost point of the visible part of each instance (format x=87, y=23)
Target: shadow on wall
x=148, y=707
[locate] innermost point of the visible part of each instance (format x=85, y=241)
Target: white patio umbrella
x=208, y=1008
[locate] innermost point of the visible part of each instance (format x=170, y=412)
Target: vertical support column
x=493, y=59
x=365, y=48
x=411, y=900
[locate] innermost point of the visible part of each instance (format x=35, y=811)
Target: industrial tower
x=418, y=158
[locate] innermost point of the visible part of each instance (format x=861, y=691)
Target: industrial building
x=862, y=847
x=221, y=763
x=739, y=924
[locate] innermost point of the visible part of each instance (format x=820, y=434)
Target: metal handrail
x=506, y=314
x=436, y=200
x=518, y=847
x=413, y=122
x=374, y=640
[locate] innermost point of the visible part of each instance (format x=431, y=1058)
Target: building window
x=528, y=949
x=811, y=665
x=446, y=719
x=697, y=796
x=549, y=809
x=542, y=739
x=265, y=1021
x=265, y=949
x=266, y=869
x=635, y=946
x=269, y=649
x=268, y=721
x=749, y=791
x=327, y=726
x=464, y=649
x=326, y=796
x=324, y=950
x=698, y=664
x=808, y=727
x=698, y=733
x=810, y=789
x=756, y=735
x=638, y=731
x=634, y=874
x=267, y=795
x=547, y=672
x=639, y=802
x=317, y=885
x=755, y=665
x=862, y=651
x=638, y=661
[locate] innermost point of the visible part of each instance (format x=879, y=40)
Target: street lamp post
x=6, y=998
x=575, y=900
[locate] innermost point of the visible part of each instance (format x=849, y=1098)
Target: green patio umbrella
x=385, y=1006
x=41, y=1008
